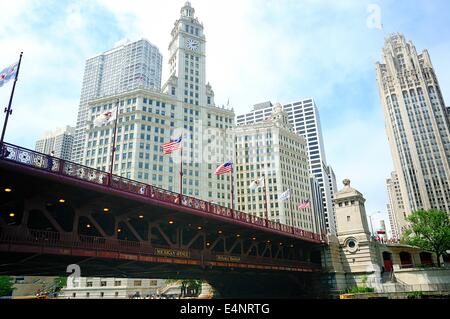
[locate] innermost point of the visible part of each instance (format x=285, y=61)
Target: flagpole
x=232, y=188
x=292, y=211
x=113, y=151
x=265, y=198
x=181, y=171
x=8, y=110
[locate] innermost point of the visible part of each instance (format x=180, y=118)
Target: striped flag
x=304, y=204
x=224, y=168
x=286, y=195
x=171, y=146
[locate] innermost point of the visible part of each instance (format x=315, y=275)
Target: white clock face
x=192, y=44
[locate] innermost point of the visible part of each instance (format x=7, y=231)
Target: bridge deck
x=157, y=229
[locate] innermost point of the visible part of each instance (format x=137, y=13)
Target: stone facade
x=271, y=150
x=417, y=125
x=354, y=258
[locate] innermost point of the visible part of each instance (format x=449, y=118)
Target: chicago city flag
x=304, y=204
x=171, y=146
x=104, y=118
x=8, y=73
x=258, y=183
x=226, y=167
x=286, y=195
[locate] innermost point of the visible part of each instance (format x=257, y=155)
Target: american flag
x=171, y=146
x=226, y=167
x=304, y=204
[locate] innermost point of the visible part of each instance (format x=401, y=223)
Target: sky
x=257, y=50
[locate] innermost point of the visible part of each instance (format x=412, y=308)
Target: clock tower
x=187, y=60
x=206, y=128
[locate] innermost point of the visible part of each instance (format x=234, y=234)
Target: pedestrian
x=4, y=153
x=50, y=160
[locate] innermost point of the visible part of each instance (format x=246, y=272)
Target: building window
x=138, y=283
x=117, y=283
x=103, y=283
x=89, y=284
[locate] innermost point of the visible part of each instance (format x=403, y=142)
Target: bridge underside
x=48, y=222
x=228, y=282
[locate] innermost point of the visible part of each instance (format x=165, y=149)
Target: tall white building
x=148, y=118
x=317, y=205
x=128, y=66
x=304, y=117
x=417, y=127
x=59, y=141
x=273, y=150
x=396, y=207
x=332, y=184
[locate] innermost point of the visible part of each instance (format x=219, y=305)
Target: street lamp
x=371, y=225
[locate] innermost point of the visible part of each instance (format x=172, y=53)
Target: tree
x=188, y=286
x=60, y=283
x=6, y=285
x=429, y=230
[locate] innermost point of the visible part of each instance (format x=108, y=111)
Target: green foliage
x=188, y=286
x=6, y=285
x=360, y=290
x=60, y=283
x=429, y=230
x=364, y=280
x=415, y=295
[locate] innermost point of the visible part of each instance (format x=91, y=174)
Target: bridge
x=54, y=213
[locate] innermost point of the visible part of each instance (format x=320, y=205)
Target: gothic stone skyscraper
x=416, y=124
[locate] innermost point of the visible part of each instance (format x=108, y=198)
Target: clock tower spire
x=187, y=10
x=187, y=60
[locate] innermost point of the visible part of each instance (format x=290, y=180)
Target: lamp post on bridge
x=371, y=224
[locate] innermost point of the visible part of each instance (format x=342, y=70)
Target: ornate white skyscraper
x=271, y=149
x=416, y=124
x=304, y=117
x=149, y=118
x=187, y=75
x=208, y=138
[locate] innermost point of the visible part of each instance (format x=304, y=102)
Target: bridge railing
x=69, y=169
x=51, y=239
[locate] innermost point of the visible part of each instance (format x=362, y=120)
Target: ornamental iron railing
x=53, y=165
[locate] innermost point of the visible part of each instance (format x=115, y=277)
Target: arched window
x=426, y=259
x=405, y=260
